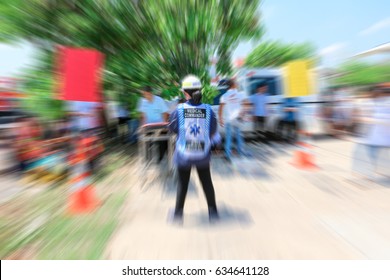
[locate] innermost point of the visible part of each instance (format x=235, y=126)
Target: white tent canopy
x=385, y=48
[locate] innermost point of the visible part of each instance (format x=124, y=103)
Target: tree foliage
x=357, y=73
x=39, y=88
x=275, y=53
x=144, y=41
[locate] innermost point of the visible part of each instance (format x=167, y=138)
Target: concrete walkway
x=269, y=210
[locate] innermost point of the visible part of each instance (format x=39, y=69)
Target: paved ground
x=269, y=210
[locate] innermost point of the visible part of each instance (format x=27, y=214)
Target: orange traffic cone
x=82, y=198
x=303, y=156
x=83, y=201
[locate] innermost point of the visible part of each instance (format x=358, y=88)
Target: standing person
x=153, y=109
x=112, y=115
x=229, y=114
x=377, y=135
x=195, y=125
x=84, y=115
x=123, y=118
x=259, y=101
x=132, y=126
x=85, y=125
x=289, y=124
x=343, y=115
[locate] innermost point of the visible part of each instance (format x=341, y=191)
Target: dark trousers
x=207, y=184
x=260, y=123
x=289, y=129
x=260, y=127
x=122, y=122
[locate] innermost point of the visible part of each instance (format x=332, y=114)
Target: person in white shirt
x=153, y=109
x=378, y=136
x=377, y=131
x=229, y=113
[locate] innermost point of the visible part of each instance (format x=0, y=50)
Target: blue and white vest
x=193, y=141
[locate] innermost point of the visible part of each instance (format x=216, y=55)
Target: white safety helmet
x=191, y=82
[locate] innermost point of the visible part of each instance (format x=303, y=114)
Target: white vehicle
x=309, y=106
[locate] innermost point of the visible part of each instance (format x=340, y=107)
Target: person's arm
x=220, y=113
x=247, y=101
x=164, y=110
x=166, y=117
x=244, y=102
x=266, y=106
x=142, y=110
x=142, y=119
x=220, y=110
x=215, y=137
x=250, y=99
x=173, y=124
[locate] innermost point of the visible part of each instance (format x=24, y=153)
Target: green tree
x=39, y=88
x=238, y=21
x=144, y=41
x=275, y=53
x=357, y=73
x=208, y=94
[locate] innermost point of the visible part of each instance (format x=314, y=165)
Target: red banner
x=79, y=74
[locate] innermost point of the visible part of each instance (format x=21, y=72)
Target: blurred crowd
x=340, y=113
x=345, y=114
x=43, y=150
x=45, y=147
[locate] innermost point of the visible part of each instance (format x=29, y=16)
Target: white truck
x=309, y=106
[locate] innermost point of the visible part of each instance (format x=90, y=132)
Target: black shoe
x=213, y=216
x=176, y=218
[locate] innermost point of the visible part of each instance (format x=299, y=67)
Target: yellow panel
x=298, y=80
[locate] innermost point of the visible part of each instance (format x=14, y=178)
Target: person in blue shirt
x=153, y=109
x=289, y=123
x=259, y=101
x=196, y=127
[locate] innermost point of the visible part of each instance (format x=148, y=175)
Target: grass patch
x=56, y=235
x=21, y=218
x=37, y=220
x=83, y=237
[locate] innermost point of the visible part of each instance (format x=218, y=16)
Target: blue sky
x=338, y=28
